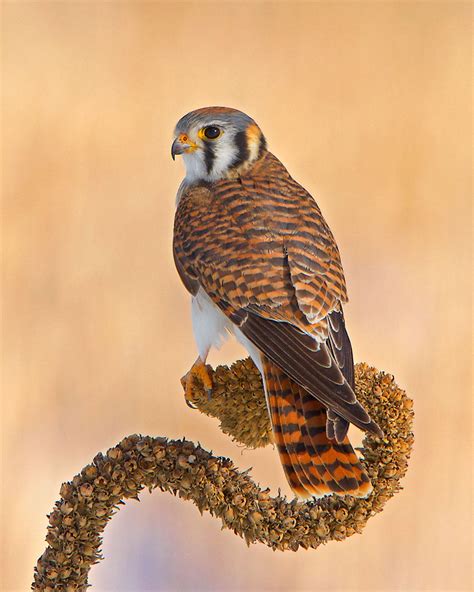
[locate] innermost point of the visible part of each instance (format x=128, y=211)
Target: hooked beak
x=182, y=144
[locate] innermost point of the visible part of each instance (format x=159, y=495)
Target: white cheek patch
x=225, y=153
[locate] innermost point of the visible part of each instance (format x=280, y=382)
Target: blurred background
x=368, y=105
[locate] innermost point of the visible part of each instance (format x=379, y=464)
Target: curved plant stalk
x=215, y=485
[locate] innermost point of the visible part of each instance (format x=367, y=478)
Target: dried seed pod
x=90, y=472
x=341, y=514
x=214, y=484
x=86, y=489
x=66, y=490
x=289, y=522
x=115, y=453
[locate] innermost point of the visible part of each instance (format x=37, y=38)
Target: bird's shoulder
x=264, y=196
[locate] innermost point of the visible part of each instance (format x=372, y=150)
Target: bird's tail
x=314, y=464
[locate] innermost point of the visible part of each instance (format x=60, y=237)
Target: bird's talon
x=200, y=370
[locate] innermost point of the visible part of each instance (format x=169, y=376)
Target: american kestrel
x=254, y=251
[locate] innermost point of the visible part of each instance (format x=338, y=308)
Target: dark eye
x=212, y=132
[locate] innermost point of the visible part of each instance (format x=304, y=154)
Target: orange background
x=368, y=105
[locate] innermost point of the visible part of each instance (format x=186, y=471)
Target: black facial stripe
x=242, y=149
x=262, y=145
x=209, y=156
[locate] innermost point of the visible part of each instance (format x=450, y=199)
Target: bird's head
x=217, y=143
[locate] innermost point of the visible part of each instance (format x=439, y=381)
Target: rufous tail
x=314, y=464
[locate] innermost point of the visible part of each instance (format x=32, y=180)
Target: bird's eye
x=212, y=132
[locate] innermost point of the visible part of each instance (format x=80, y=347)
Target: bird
x=251, y=246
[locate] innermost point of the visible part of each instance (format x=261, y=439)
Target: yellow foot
x=199, y=369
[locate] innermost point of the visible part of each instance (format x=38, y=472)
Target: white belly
x=211, y=328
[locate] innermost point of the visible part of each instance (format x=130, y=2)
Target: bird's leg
x=199, y=370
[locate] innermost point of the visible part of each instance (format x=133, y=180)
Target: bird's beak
x=182, y=144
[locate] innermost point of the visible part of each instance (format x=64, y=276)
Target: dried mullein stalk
x=238, y=401
x=214, y=484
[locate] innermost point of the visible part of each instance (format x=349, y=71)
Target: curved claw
x=189, y=403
